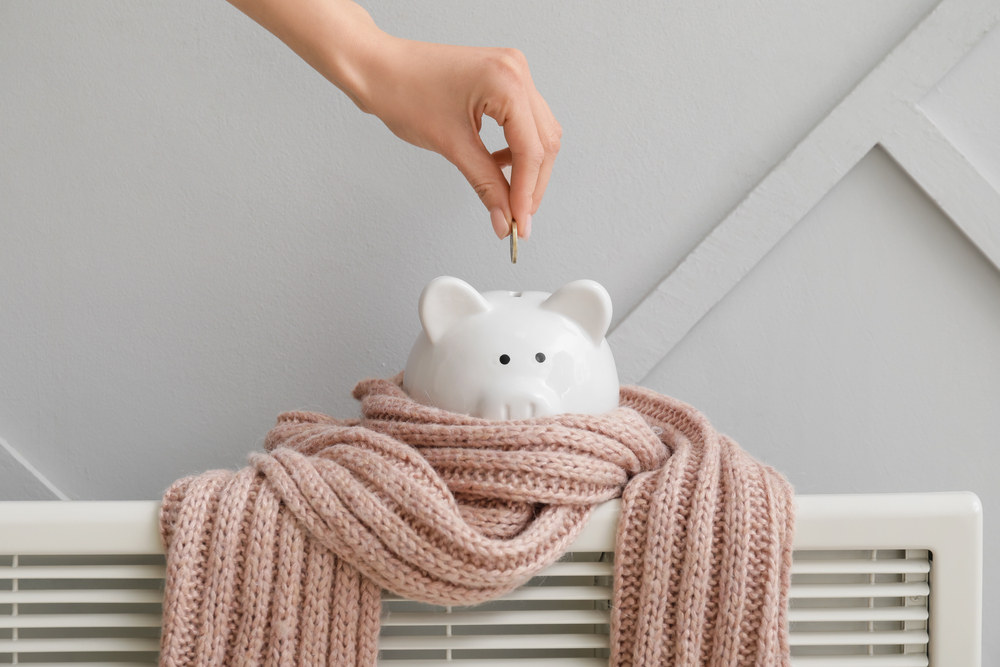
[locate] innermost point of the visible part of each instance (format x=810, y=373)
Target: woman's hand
x=434, y=96
x=431, y=95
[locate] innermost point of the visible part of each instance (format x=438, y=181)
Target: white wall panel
x=18, y=483
x=966, y=106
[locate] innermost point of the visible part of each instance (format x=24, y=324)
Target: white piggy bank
x=513, y=355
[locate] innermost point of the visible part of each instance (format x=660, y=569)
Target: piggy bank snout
x=521, y=398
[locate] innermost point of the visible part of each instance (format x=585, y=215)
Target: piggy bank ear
x=585, y=302
x=444, y=302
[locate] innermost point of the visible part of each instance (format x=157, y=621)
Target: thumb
x=486, y=178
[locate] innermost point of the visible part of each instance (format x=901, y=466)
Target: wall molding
x=26, y=464
x=881, y=109
x=948, y=178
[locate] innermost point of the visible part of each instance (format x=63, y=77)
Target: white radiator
x=879, y=580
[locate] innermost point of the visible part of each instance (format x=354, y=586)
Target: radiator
x=889, y=580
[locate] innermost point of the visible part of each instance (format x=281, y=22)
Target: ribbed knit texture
x=282, y=563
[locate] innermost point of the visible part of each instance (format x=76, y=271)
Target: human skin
x=431, y=95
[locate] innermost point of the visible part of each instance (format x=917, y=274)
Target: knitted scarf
x=283, y=562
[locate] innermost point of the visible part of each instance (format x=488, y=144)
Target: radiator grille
x=560, y=616
x=860, y=608
x=847, y=608
x=57, y=610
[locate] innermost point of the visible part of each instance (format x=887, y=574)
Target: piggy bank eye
x=504, y=359
x=539, y=357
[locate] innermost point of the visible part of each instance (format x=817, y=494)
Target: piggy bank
x=513, y=355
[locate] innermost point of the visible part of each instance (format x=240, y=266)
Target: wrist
x=347, y=52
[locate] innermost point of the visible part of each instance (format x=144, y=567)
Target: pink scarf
x=282, y=563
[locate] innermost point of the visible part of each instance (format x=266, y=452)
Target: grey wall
x=198, y=232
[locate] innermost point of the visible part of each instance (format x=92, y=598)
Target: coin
x=513, y=242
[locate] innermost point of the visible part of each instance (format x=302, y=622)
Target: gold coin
x=513, y=242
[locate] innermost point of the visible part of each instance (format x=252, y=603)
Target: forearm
x=337, y=38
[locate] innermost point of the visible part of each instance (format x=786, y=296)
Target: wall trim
x=881, y=109
x=16, y=455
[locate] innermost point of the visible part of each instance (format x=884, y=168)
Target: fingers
x=435, y=96
x=550, y=135
x=506, y=102
x=527, y=156
x=486, y=178
x=534, y=137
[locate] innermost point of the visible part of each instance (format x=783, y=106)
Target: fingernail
x=526, y=232
x=499, y=222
